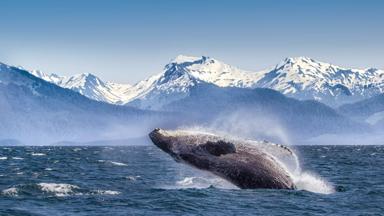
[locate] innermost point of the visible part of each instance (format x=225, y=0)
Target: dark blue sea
x=142, y=180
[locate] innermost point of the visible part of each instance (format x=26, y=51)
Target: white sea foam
x=3, y=158
x=10, y=191
x=107, y=192
x=113, y=162
x=313, y=183
x=17, y=158
x=37, y=154
x=58, y=189
x=305, y=180
x=77, y=149
x=118, y=163
x=132, y=178
x=203, y=182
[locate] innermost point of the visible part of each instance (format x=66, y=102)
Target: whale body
x=245, y=165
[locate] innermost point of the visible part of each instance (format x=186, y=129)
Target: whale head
x=161, y=139
x=181, y=144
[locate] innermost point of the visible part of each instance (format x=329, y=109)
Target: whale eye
x=218, y=148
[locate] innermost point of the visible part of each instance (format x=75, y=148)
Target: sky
x=128, y=40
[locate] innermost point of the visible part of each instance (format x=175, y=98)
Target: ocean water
x=142, y=180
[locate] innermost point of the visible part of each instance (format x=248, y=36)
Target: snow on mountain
x=305, y=78
x=213, y=71
x=88, y=85
x=38, y=112
x=300, y=78
x=180, y=75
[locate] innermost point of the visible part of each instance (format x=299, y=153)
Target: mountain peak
x=182, y=59
x=88, y=76
x=300, y=60
x=82, y=81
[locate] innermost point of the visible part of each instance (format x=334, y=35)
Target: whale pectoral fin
x=219, y=148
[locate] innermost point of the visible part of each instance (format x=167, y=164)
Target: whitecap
x=37, y=154
x=58, y=189
x=203, y=182
x=3, y=158
x=17, y=158
x=107, y=192
x=132, y=178
x=77, y=149
x=10, y=191
x=118, y=163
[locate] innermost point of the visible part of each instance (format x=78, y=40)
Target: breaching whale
x=245, y=165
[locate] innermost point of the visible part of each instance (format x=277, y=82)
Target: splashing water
x=313, y=183
x=305, y=180
x=204, y=182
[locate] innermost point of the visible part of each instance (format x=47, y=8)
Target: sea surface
x=142, y=180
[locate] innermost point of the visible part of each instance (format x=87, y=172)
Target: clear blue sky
x=126, y=41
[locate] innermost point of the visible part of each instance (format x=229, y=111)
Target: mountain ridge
x=302, y=78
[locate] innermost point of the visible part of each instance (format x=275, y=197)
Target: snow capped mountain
x=181, y=74
x=305, y=78
x=213, y=71
x=300, y=78
x=38, y=112
x=88, y=85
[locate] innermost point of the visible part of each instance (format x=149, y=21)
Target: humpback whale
x=248, y=165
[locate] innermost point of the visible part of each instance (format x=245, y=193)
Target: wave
x=37, y=154
x=10, y=191
x=113, y=163
x=118, y=163
x=313, y=183
x=203, y=182
x=54, y=189
x=132, y=178
x=107, y=192
x=58, y=189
